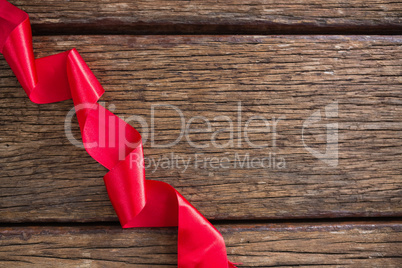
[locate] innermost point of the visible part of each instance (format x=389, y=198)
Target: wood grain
x=44, y=178
x=210, y=16
x=268, y=245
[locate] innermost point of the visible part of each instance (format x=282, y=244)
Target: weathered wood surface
x=45, y=178
x=210, y=16
x=269, y=245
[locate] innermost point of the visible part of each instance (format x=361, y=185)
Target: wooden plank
x=270, y=245
x=44, y=178
x=210, y=16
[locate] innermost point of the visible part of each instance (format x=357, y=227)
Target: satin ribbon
x=111, y=142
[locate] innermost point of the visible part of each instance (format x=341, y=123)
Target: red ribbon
x=110, y=141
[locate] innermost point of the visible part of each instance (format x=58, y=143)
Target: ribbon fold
x=110, y=141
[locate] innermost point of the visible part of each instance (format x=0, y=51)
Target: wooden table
x=287, y=62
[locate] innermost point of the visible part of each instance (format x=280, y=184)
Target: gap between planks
x=86, y=17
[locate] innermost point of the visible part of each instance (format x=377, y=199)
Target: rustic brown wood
x=45, y=178
x=210, y=16
x=269, y=245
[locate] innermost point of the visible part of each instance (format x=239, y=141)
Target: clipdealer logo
x=236, y=133
x=330, y=156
